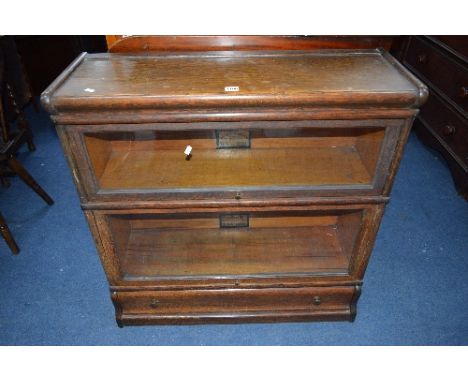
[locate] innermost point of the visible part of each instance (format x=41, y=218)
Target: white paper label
x=89, y=90
x=188, y=150
x=231, y=88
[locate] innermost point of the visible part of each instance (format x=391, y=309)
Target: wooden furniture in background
x=134, y=43
x=442, y=62
x=15, y=96
x=15, y=91
x=9, y=166
x=273, y=214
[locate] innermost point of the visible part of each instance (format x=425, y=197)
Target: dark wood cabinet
x=203, y=43
x=442, y=63
x=273, y=213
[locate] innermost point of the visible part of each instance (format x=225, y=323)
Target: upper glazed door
x=261, y=124
x=235, y=160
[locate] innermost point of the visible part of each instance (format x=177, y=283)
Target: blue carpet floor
x=55, y=292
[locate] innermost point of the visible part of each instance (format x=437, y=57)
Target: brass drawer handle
x=316, y=300
x=448, y=130
x=464, y=92
x=154, y=303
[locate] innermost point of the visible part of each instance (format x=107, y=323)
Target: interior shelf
x=274, y=243
x=309, y=158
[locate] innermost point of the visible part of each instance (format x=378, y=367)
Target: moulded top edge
x=229, y=79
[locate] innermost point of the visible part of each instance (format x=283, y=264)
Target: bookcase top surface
x=326, y=78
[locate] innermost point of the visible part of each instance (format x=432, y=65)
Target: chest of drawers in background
x=273, y=215
x=442, y=63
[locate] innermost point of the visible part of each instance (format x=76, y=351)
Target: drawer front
x=448, y=75
x=447, y=125
x=235, y=160
x=232, y=302
x=144, y=247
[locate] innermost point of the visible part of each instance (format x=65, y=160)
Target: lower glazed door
x=146, y=246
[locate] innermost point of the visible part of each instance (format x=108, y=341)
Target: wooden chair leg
x=5, y=172
x=32, y=99
x=3, y=123
x=22, y=122
x=8, y=236
x=28, y=179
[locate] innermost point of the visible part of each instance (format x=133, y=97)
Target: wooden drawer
x=235, y=160
x=446, y=74
x=270, y=304
x=449, y=127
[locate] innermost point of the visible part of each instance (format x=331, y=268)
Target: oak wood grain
x=231, y=305
x=135, y=43
x=277, y=224
x=272, y=243
x=186, y=80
